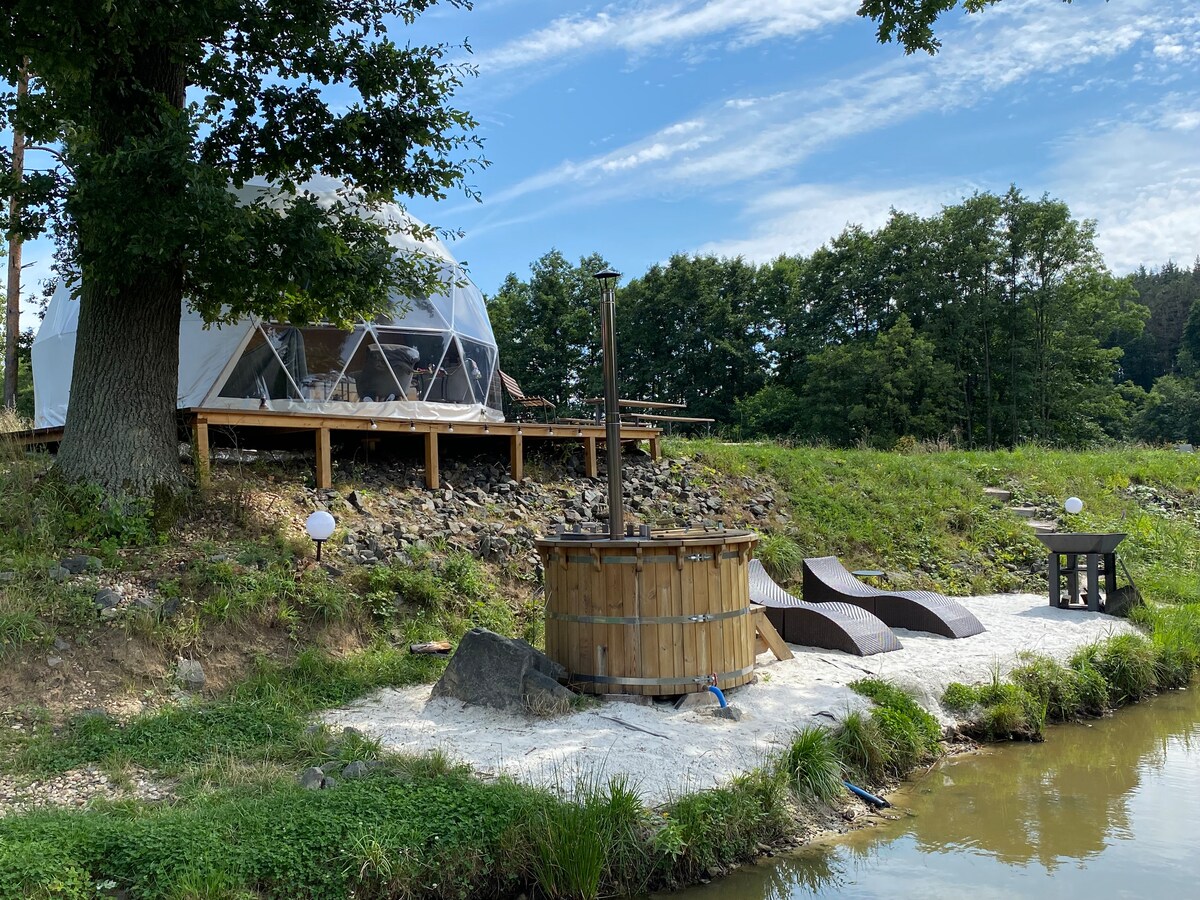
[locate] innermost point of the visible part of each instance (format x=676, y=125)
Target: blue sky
x=643, y=128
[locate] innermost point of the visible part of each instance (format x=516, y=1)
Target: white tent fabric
x=449, y=378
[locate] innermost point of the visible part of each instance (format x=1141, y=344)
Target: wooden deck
x=199, y=421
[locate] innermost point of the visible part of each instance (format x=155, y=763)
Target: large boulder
x=491, y=670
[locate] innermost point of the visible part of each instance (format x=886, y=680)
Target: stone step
x=1043, y=527
x=997, y=494
x=1025, y=512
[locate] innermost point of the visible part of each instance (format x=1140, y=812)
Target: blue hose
x=720, y=697
x=866, y=795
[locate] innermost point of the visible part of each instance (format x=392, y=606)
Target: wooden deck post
x=200, y=452
x=516, y=456
x=591, y=466
x=655, y=449
x=324, y=460
x=431, y=459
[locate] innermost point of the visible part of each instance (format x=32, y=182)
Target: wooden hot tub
x=653, y=615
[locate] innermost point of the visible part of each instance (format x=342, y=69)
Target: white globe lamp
x=320, y=527
x=1073, y=505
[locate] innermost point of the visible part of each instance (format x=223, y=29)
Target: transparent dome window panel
x=470, y=317
x=327, y=351
x=425, y=351
x=272, y=366
x=421, y=312
x=387, y=371
x=479, y=367
x=458, y=383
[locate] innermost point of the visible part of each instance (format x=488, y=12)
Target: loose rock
x=190, y=674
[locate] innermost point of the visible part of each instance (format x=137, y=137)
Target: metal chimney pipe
x=612, y=409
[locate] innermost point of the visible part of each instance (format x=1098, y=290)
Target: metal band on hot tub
x=646, y=558
x=700, y=679
x=696, y=619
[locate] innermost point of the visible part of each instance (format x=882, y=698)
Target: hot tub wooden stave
x=652, y=616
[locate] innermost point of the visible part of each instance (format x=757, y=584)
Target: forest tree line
x=991, y=323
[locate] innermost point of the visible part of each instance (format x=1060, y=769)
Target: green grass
x=924, y=515
x=780, y=555
x=811, y=765
x=425, y=826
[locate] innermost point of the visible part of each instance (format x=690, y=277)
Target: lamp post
x=612, y=411
x=320, y=527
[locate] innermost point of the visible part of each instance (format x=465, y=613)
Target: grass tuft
x=780, y=556
x=810, y=765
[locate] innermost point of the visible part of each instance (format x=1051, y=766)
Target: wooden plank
x=768, y=635
x=516, y=456
x=591, y=465
x=432, y=475
x=618, y=600
x=324, y=459
x=687, y=593
x=707, y=600
x=639, y=404
x=200, y=451
x=657, y=577
x=651, y=418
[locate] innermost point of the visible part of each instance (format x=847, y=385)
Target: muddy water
x=1106, y=810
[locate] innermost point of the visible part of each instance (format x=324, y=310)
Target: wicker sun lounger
x=826, y=580
x=833, y=626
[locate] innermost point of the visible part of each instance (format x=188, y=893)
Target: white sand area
x=667, y=752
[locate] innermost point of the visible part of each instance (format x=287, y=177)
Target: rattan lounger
x=826, y=580
x=833, y=626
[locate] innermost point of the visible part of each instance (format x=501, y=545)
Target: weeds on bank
x=1122, y=669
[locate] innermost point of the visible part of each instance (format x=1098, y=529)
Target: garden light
x=320, y=527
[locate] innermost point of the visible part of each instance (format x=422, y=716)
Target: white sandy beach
x=667, y=752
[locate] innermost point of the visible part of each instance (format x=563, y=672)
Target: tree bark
x=12, y=324
x=121, y=429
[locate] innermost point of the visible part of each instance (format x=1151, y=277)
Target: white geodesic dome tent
x=430, y=358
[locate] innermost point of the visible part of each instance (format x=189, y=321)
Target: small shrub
x=1052, y=684
x=861, y=745
x=910, y=734
x=569, y=848
x=960, y=698
x=1003, y=720
x=1127, y=663
x=780, y=556
x=720, y=826
x=41, y=869
x=1010, y=711
x=811, y=766
x=18, y=628
x=1175, y=634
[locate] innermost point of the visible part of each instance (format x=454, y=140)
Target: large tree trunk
x=121, y=419
x=12, y=322
x=121, y=422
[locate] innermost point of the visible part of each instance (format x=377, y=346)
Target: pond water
x=1106, y=809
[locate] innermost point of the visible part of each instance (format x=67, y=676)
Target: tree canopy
x=157, y=109
x=990, y=323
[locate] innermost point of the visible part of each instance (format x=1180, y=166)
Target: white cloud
x=639, y=27
x=744, y=138
x=800, y=218
x=1140, y=181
